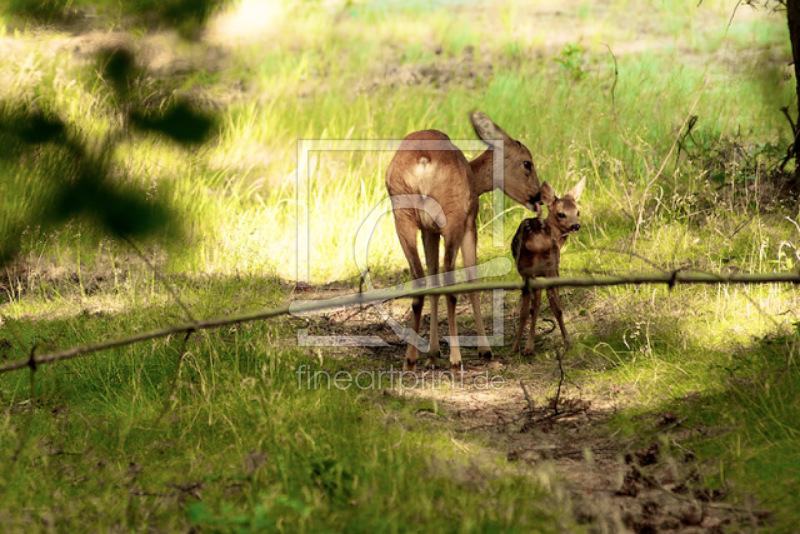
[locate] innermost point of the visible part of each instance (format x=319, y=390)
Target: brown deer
x=428, y=167
x=536, y=248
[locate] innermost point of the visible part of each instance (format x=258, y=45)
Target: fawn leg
x=555, y=305
x=537, y=302
x=524, y=312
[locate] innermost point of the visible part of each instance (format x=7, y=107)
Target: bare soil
x=555, y=426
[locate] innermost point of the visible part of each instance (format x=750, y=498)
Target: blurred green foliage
x=186, y=16
x=83, y=180
x=46, y=11
x=571, y=60
x=179, y=121
x=118, y=67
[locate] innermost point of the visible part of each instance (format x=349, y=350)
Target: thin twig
x=158, y=275
x=176, y=374
x=357, y=311
x=622, y=136
x=633, y=254
x=789, y=155
x=795, y=133
x=785, y=110
x=381, y=295
x=560, y=381
x=547, y=320
x=657, y=175
x=688, y=134
x=23, y=437
x=527, y=396
x=654, y=482
x=730, y=21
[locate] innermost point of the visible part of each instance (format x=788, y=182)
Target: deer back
x=429, y=164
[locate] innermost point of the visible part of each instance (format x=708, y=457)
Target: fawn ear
x=547, y=194
x=487, y=130
x=577, y=191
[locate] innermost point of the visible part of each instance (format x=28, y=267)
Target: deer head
x=520, y=181
x=563, y=214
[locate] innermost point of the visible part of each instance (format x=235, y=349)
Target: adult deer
x=430, y=168
x=536, y=248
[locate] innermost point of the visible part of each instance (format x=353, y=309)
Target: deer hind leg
x=524, y=311
x=430, y=240
x=469, y=250
x=555, y=305
x=408, y=240
x=537, y=302
x=450, y=251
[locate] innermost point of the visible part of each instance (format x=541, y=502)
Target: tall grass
x=238, y=445
x=263, y=454
x=329, y=81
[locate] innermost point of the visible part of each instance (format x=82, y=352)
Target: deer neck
x=558, y=236
x=482, y=172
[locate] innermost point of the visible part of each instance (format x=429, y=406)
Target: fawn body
x=428, y=166
x=536, y=248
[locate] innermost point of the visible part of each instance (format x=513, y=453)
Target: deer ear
x=547, y=194
x=577, y=191
x=487, y=130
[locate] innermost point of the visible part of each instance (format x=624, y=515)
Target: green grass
x=738, y=412
x=251, y=450
x=106, y=443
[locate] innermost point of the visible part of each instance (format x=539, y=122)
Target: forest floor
x=535, y=411
x=675, y=409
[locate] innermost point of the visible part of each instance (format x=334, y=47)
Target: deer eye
x=561, y=215
x=579, y=214
x=528, y=165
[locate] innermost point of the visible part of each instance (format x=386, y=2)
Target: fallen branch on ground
x=359, y=299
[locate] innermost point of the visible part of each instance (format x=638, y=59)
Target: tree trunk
x=793, y=15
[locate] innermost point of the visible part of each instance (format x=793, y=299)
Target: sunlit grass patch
x=308, y=92
x=236, y=430
x=740, y=419
x=261, y=449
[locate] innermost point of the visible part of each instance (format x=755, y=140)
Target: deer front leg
x=469, y=250
x=450, y=251
x=408, y=240
x=524, y=311
x=430, y=241
x=537, y=302
x=555, y=305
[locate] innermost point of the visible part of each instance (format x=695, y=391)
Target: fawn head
x=520, y=181
x=563, y=213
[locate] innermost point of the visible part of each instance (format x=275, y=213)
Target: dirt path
x=614, y=483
